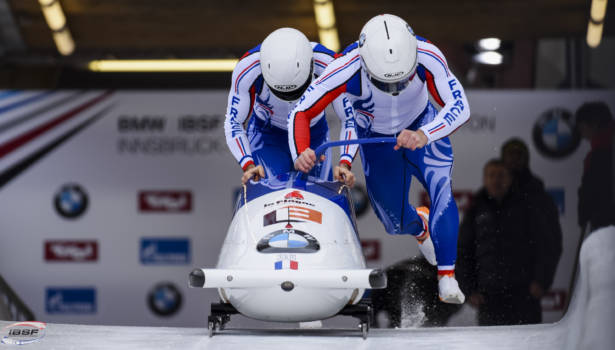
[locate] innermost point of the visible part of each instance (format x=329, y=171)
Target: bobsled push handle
x=320, y=150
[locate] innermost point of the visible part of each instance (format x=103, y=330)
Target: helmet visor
x=298, y=92
x=391, y=88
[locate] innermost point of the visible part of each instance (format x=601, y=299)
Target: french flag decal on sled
x=286, y=264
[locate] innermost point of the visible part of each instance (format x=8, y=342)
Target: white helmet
x=388, y=49
x=287, y=63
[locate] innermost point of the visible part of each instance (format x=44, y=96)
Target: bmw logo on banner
x=288, y=240
x=554, y=134
x=360, y=200
x=71, y=201
x=164, y=299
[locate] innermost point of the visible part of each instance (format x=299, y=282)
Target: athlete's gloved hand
x=343, y=174
x=411, y=139
x=306, y=160
x=253, y=172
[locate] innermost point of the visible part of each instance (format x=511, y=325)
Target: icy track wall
x=591, y=317
x=588, y=325
x=108, y=200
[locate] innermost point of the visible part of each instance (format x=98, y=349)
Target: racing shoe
x=449, y=291
x=424, y=239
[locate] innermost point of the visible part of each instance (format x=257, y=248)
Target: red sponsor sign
x=554, y=300
x=165, y=201
x=71, y=251
x=371, y=249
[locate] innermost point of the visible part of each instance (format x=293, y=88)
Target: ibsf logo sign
x=70, y=301
x=165, y=201
x=165, y=251
x=71, y=201
x=23, y=333
x=79, y=251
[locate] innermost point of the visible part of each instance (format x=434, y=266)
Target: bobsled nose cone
x=378, y=279
x=196, y=278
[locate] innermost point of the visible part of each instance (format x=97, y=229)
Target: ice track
x=587, y=325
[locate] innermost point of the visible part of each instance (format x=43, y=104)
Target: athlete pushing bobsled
x=266, y=83
x=387, y=76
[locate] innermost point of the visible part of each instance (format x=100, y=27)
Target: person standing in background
x=531, y=189
x=501, y=263
x=594, y=123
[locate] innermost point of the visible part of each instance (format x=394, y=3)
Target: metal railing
x=12, y=308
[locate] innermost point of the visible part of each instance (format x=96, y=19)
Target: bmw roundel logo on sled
x=164, y=299
x=71, y=201
x=554, y=134
x=288, y=240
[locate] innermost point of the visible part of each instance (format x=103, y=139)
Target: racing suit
x=266, y=140
x=388, y=172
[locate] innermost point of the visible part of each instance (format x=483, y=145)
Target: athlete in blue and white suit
x=388, y=76
x=266, y=83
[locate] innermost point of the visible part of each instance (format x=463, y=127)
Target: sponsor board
x=554, y=300
x=480, y=124
x=360, y=200
x=70, y=300
x=192, y=135
x=165, y=201
x=371, y=249
x=71, y=251
x=169, y=146
x=158, y=123
x=463, y=199
x=558, y=194
x=554, y=134
x=22, y=333
x=71, y=201
x=164, y=299
x=165, y=251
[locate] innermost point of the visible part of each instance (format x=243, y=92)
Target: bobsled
x=291, y=254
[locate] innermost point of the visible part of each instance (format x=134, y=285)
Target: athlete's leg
x=388, y=176
x=436, y=163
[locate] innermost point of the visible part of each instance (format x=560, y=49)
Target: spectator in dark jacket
x=597, y=192
x=531, y=189
x=501, y=260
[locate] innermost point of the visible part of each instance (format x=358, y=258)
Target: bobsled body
x=291, y=252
